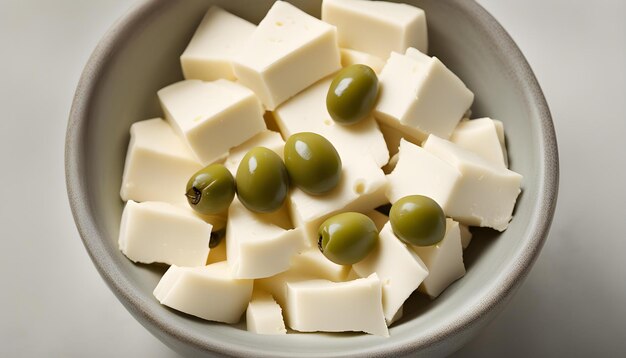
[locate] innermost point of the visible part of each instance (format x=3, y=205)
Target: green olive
x=418, y=220
x=211, y=189
x=262, y=180
x=347, y=238
x=352, y=94
x=312, y=162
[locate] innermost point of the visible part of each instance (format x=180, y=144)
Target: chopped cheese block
x=210, y=54
x=468, y=188
x=466, y=236
x=314, y=263
x=320, y=305
x=419, y=95
x=400, y=270
x=444, y=261
x=378, y=218
x=289, y=51
x=361, y=188
x=264, y=315
x=393, y=136
x=217, y=221
x=218, y=253
x=161, y=232
x=483, y=136
x=208, y=292
x=256, y=248
x=377, y=27
x=353, y=57
x=158, y=164
x=212, y=117
x=307, y=112
x=397, y=317
x=276, y=285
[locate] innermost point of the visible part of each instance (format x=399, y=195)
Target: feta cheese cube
x=161, y=232
x=377, y=27
x=264, y=315
x=419, y=95
x=307, y=112
x=378, y=218
x=212, y=117
x=210, y=54
x=400, y=270
x=277, y=285
x=466, y=235
x=483, y=136
x=361, y=188
x=443, y=260
x=397, y=317
x=353, y=57
x=320, y=305
x=158, y=164
x=256, y=248
x=268, y=139
x=468, y=188
x=312, y=262
x=289, y=51
x=208, y=292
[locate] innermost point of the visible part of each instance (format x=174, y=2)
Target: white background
x=53, y=302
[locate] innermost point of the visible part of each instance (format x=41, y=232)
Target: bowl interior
x=143, y=60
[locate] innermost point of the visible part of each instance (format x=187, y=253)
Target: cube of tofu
x=419, y=95
x=468, y=188
x=158, y=164
x=264, y=315
x=400, y=270
x=443, y=260
x=361, y=188
x=307, y=112
x=483, y=136
x=161, y=232
x=377, y=27
x=353, y=57
x=289, y=51
x=466, y=235
x=209, y=55
x=212, y=117
x=312, y=262
x=277, y=285
x=320, y=305
x=208, y=292
x=256, y=248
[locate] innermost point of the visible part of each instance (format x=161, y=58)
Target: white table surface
x=54, y=303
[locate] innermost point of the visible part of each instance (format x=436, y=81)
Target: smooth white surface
x=571, y=304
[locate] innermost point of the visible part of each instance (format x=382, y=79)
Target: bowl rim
x=94, y=242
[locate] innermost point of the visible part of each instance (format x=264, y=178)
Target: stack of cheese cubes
x=240, y=80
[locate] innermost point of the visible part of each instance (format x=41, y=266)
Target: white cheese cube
x=217, y=254
x=468, y=188
x=483, y=136
x=400, y=270
x=397, y=317
x=277, y=285
x=268, y=139
x=307, y=112
x=361, y=188
x=393, y=136
x=320, y=305
x=161, y=232
x=466, y=236
x=256, y=248
x=378, y=218
x=264, y=315
x=208, y=292
x=212, y=117
x=312, y=262
x=444, y=261
x=419, y=95
x=158, y=164
x=289, y=51
x=353, y=57
x=210, y=53
x=377, y=27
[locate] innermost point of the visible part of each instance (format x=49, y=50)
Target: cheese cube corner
x=158, y=164
x=483, y=136
x=287, y=52
x=208, y=292
x=161, y=232
x=419, y=95
x=209, y=54
x=312, y=262
x=353, y=57
x=444, y=261
x=264, y=315
x=212, y=117
x=377, y=27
